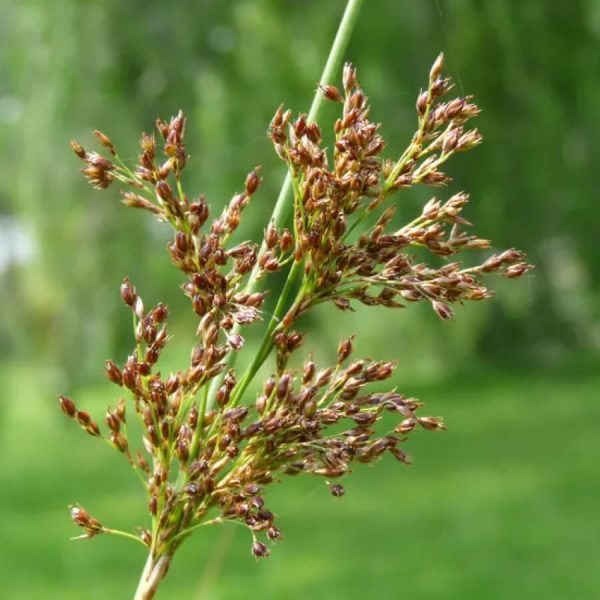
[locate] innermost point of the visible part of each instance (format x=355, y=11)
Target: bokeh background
x=504, y=504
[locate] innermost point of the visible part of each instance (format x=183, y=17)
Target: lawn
x=503, y=505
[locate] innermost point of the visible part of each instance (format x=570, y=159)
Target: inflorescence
x=209, y=447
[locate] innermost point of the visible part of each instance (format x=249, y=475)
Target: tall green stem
x=283, y=206
x=152, y=575
x=267, y=341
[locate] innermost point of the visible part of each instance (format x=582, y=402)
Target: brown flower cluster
x=378, y=267
x=209, y=447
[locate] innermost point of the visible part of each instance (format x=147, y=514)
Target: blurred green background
x=504, y=504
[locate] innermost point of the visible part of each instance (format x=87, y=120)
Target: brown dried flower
x=209, y=447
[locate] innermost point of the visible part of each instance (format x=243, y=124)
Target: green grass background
x=502, y=505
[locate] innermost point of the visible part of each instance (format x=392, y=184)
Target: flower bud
x=128, y=293
x=67, y=406
x=337, y=490
x=344, y=349
x=105, y=141
x=330, y=92
x=259, y=550
x=252, y=181
x=436, y=68
x=113, y=372
x=78, y=148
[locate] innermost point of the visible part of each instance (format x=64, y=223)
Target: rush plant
x=210, y=444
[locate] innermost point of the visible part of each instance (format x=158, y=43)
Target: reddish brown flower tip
x=442, y=310
x=259, y=550
x=274, y=533
x=113, y=372
x=128, y=292
x=252, y=181
x=105, y=141
x=67, y=406
x=437, y=67
x=330, y=92
x=337, y=490
x=432, y=423
x=345, y=349
x=79, y=516
x=78, y=148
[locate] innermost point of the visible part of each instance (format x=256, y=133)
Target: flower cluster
x=209, y=447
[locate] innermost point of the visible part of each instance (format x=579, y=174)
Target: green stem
x=199, y=426
x=154, y=571
x=267, y=341
x=283, y=206
x=124, y=534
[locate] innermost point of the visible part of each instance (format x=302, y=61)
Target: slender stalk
x=152, y=575
x=139, y=592
x=267, y=341
x=283, y=205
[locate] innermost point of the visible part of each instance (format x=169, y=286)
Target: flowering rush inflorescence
x=209, y=447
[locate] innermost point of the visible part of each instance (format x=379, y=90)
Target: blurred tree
x=69, y=66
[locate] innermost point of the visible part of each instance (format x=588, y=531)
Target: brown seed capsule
x=345, y=349
x=183, y=450
x=193, y=417
x=337, y=490
x=436, y=68
x=308, y=371
x=165, y=191
x=80, y=516
x=105, y=141
x=128, y=292
x=172, y=384
x=92, y=428
x=286, y=240
x=283, y=386
x=67, y=406
x=146, y=537
x=323, y=377
x=235, y=341
x=271, y=237
x=273, y=533
x=252, y=181
x=422, y=103
x=431, y=423
x=113, y=372
x=516, y=270
x=78, y=148
x=342, y=303
x=120, y=410
x=442, y=310
x=153, y=505
x=259, y=550
x=261, y=403
x=330, y=92
x=152, y=435
x=119, y=442
x=251, y=489
x=112, y=420
x=83, y=417
x=349, y=77
x=406, y=426
x=223, y=395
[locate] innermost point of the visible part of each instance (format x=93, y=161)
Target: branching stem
x=283, y=206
